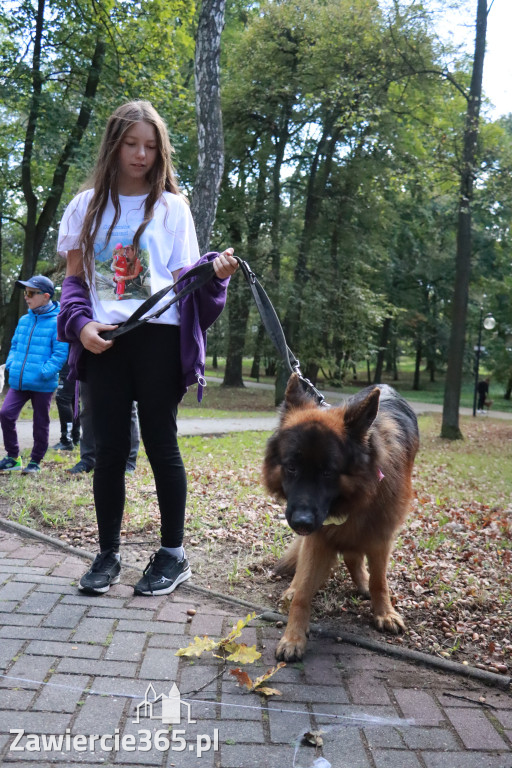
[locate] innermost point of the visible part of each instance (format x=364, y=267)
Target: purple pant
x=14, y=401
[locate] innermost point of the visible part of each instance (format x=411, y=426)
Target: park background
x=342, y=135
x=343, y=127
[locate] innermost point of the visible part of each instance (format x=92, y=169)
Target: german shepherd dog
x=345, y=473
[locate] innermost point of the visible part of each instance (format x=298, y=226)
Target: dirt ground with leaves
x=450, y=575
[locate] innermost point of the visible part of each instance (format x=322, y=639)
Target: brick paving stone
x=243, y=756
x=98, y=667
x=383, y=737
x=146, y=602
x=241, y=707
x=465, y=760
x=237, y=731
x=26, y=552
x=174, y=642
x=121, y=613
x=429, y=738
x=42, y=579
x=159, y=664
x=39, y=603
x=71, y=570
x=125, y=646
x=93, y=630
x=189, y=759
x=159, y=627
x=46, y=560
x=99, y=714
x=40, y=722
x=475, y=730
x=335, y=694
x=8, y=542
x=55, y=585
x=71, y=649
x=331, y=714
x=78, y=598
x=19, y=619
x=390, y=758
x=65, y=616
x=22, y=572
x=344, y=746
x=323, y=670
x=129, y=688
x=195, y=676
x=364, y=688
x=287, y=727
x=205, y=624
x=505, y=717
x=8, y=607
x=418, y=705
x=9, y=649
x=173, y=611
x=28, y=668
x=14, y=590
x=61, y=694
x=15, y=699
x=33, y=633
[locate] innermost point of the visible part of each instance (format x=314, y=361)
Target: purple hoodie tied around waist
x=198, y=311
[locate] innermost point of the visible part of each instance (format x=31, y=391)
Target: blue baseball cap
x=38, y=283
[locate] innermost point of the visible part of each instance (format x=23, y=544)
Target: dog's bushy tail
x=288, y=563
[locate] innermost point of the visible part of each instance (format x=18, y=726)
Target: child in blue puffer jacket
x=33, y=363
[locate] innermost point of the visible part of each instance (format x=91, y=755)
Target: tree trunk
x=417, y=366
x=210, y=137
x=36, y=229
x=386, y=326
x=450, y=425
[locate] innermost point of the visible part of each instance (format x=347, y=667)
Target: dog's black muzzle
x=302, y=520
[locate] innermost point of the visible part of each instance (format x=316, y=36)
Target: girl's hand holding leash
x=91, y=340
x=225, y=265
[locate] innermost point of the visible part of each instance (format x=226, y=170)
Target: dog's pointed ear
x=360, y=415
x=295, y=395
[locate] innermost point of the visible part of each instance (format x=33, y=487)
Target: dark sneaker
x=31, y=468
x=162, y=574
x=9, y=464
x=64, y=445
x=103, y=572
x=79, y=468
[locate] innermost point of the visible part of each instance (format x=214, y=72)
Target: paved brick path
x=55, y=644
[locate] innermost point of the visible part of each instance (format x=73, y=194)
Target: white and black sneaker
x=102, y=574
x=162, y=574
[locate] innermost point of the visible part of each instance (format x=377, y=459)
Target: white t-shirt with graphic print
x=122, y=279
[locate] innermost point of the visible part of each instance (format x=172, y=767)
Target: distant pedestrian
x=88, y=443
x=33, y=364
x=483, y=395
x=69, y=423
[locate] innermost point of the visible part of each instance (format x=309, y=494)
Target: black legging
x=143, y=365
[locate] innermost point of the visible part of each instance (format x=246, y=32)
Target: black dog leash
x=203, y=273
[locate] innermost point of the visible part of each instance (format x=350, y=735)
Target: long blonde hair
x=161, y=177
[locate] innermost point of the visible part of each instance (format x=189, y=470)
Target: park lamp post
x=489, y=323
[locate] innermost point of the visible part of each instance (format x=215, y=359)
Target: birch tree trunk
x=210, y=138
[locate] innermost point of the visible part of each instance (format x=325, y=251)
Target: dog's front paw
x=285, y=600
x=291, y=649
x=390, y=622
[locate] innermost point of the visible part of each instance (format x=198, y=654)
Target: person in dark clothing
x=65, y=400
x=483, y=395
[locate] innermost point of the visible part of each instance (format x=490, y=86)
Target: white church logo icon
x=166, y=708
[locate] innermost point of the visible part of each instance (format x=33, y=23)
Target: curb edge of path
x=503, y=682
